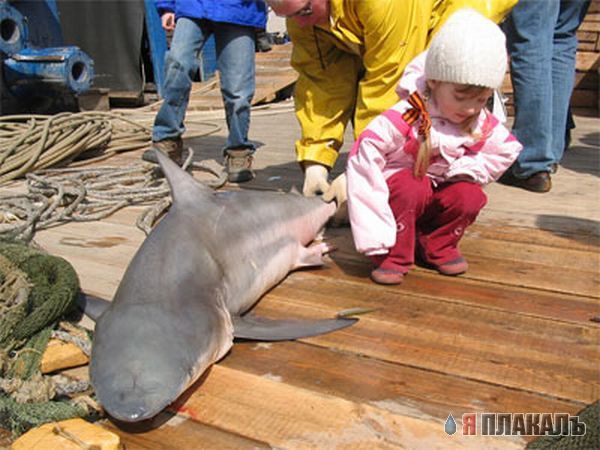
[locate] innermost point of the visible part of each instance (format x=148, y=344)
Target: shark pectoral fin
x=92, y=306
x=262, y=329
x=312, y=255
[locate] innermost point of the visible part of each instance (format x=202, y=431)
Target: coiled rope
x=34, y=142
x=56, y=196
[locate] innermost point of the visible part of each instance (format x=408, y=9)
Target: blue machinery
x=35, y=63
x=33, y=58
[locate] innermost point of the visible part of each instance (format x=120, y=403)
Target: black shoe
x=538, y=182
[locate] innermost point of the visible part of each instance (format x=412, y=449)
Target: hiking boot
x=454, y=267
x=387, y=276
x=173, y=148
x=538, y=182
x=238, y=165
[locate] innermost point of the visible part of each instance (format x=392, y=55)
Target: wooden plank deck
x=512, y=335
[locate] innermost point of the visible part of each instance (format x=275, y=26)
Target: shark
x=190, y=287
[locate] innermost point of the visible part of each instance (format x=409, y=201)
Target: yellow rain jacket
x=349, y=68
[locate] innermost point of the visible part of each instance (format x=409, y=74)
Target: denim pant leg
x=530, y=35
x=235, y=62
x=570, y=16
x=181, y=65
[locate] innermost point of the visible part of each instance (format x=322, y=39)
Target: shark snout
x=132, y=398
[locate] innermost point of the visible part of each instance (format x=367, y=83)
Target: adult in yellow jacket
x=349, y=55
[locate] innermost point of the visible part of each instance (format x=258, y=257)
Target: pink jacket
x=389, y=145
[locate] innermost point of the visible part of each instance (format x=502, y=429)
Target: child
x=415, y=175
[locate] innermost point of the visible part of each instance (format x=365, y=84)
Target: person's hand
x=315, y=179
x=337, y=192
x=168, y=21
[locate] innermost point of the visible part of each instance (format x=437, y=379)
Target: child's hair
x=423, y=159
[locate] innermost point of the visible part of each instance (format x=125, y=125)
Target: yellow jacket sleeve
x=325, y=92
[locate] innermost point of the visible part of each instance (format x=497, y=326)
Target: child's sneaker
x=387, y=276
x=454, y=267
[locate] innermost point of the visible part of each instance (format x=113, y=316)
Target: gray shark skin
x=202, y=267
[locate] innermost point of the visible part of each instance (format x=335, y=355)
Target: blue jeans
x=235, y=63
x=542, y=45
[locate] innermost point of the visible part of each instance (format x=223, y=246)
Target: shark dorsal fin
x=184, y=187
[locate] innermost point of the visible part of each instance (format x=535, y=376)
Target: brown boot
x=238, y=164
x=173, y=148
x=538, y=182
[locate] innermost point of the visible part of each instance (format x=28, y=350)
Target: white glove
x=315, y=180
x=338, y=192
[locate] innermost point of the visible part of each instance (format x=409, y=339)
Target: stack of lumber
x=273, y=74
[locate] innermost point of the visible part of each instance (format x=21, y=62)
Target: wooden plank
x=501, y=262
x=571, y=238
x=182, y=434
x=587, y=61
x=593, y=8
x=359, y=379
x=592, y=16
x=459, y=290
x=589, y=26
x=465, y=342
x=401, y=389
x=60, y=355
x=291, y=417
x=586, y=36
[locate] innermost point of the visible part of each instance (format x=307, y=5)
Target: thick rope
x=57, y=196
x=29, y=143
x=33, y=142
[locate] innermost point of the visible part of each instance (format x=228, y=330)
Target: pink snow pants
x=434, y=218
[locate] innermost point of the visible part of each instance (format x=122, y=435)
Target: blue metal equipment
x=33, y=61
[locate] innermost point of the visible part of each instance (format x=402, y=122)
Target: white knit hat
x=468, y=49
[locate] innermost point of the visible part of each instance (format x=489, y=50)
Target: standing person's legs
x=408, y=199
x=453, y=208
x=530, y=33
x=181, y=65
x=570, y=16
x=235, y=62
